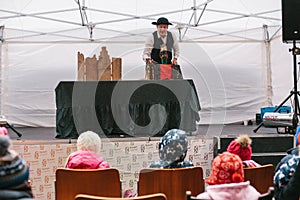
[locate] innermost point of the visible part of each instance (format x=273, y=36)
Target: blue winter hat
x=173, y=146
x=285, y=172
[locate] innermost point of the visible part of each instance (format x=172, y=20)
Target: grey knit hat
x=4, y=145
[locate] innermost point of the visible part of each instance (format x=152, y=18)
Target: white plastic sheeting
x=226, y=54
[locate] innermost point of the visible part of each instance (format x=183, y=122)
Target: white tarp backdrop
x=232, y=49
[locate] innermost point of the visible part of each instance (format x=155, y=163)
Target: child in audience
x=172, y=150
x=287, y=177
x=14, y=172
x=241, y=146
x=287, y=180
x=226, y=181
x=290, y=153
x=87, y=155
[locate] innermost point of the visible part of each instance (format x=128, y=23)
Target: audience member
x=287, y=174
x=290, y=153
x=87, y=155
x=241, y=146
x=14, y=172
x=226, y=180
x=287, y=177
x=172, y=150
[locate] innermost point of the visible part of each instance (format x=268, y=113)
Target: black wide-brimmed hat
x=162, y=20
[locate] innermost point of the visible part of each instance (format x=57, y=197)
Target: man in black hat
x=160, y=39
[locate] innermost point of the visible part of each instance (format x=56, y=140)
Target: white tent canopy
x=231, y=49
x=105, y=21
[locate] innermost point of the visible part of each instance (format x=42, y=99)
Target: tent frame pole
x=3, y=121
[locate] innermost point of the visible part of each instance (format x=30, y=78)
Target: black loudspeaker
x=290, y=20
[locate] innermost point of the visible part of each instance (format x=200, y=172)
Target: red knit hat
x=241, y=147
x=226, y=168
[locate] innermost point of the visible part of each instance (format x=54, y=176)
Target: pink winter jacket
x=86, y=160
x=231, y=191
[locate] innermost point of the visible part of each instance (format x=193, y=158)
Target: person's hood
x=231, y=191
x=86, y=160
x=172, y=147
x=293, y=151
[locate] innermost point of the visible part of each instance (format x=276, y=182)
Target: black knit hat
x=162, y=20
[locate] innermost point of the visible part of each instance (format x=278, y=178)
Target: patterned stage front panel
x=128, y=157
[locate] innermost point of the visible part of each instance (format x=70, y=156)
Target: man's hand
x=148, y=60
x=174, y=61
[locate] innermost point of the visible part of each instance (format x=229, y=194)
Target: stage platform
x=49, y=133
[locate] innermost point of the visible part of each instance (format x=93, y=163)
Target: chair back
x=157, y=196
x=260, y=177
x=172, y=182
x=70, y=182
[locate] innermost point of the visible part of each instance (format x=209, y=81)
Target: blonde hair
x=244, y=141
x=89, y=141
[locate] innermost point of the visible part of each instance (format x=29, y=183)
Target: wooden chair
x=70, y=182
x=157, y=196
x=260, y=177
x=267, y=196
x=172, y=182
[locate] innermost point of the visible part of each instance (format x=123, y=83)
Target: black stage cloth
x=132, y=107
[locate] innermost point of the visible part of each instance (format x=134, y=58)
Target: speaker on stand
x=290, y=20
x=291, y=34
